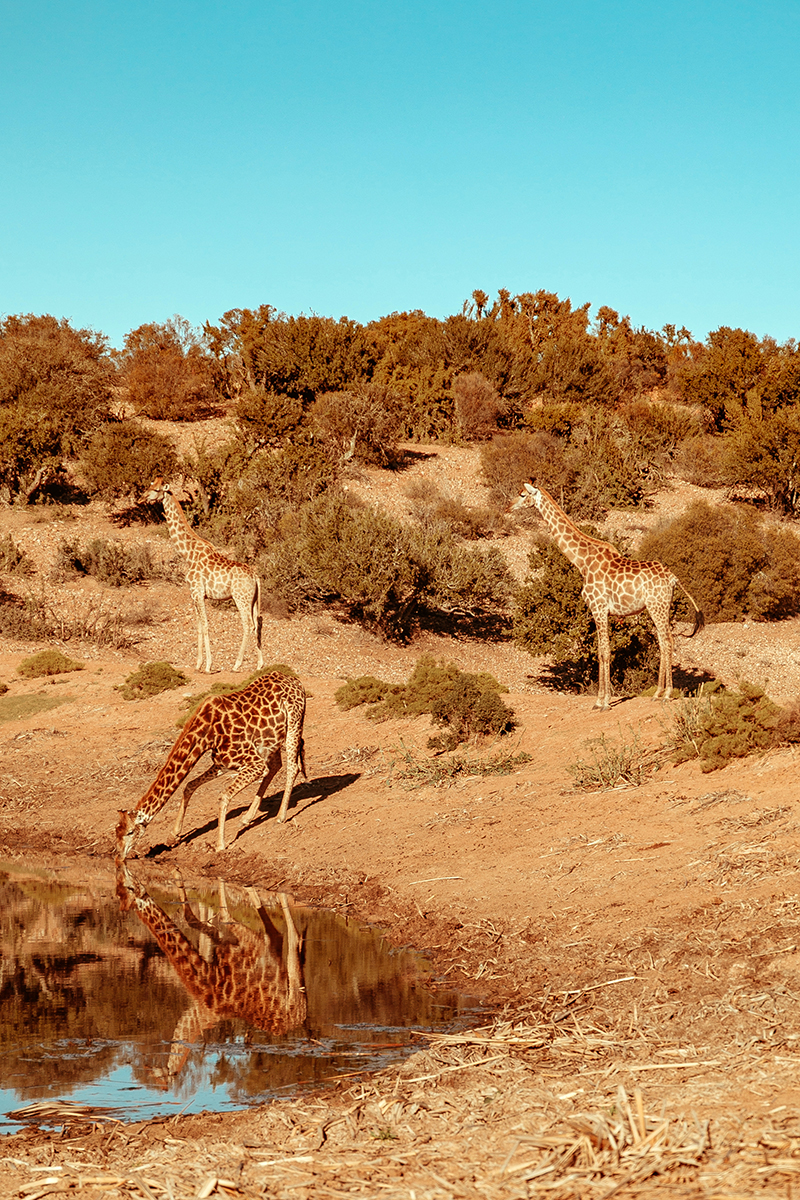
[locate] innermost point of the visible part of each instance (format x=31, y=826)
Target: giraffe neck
x=189, y=963
x=578, y=547
x=196, y=738
x=180, y=530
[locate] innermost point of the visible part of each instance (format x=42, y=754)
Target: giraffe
x=241, y=729
x=613, y=586
x=210, y=573
x=235, y=972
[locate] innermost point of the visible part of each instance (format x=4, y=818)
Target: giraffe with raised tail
x=613, y=586
x=211, y=574
x=245, y=732
x=236, y=971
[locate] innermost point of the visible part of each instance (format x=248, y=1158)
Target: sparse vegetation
x=112, y=562
x=47, y=662
x=613, y=764
x=151, y=679
x=14, y=561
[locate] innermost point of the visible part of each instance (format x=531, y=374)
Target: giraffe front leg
x=250, y=770
x=191, y=787
x=604, y=656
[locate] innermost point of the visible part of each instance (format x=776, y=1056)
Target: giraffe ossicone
x=211, y=574
x=613, y=586
x=245, y=732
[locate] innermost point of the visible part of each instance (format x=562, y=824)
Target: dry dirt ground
x=640, y=947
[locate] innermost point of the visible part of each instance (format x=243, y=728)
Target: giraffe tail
x=256, y=612
x=699, y=619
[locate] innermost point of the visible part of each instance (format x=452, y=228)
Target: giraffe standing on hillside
x=236, y=972
x=615, y=586
x=210, y=573
x=241, y=729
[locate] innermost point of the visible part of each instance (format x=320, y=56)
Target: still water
x=159, y=1000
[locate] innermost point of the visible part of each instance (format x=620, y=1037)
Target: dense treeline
x=598, y=409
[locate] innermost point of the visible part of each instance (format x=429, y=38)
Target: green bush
x=719, y=725
x=462, y=704
x=150, y=680
x=47, y=662
x=377, y=571
x=122, y=457
x=731, y=561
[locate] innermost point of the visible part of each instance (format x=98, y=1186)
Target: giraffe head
x=155, y=493
x=529, y=497
x=128, y=830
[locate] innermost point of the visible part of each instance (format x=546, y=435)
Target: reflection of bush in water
x=73, y=969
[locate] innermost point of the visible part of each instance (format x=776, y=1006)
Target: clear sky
x=359, y=157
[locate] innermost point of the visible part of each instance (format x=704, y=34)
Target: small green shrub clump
x=717, y=725
x=47, y=662
x=150, y=680
x=463, y=705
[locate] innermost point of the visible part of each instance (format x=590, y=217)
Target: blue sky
x=351, y=157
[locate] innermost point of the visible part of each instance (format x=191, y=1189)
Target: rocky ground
x=640, y=945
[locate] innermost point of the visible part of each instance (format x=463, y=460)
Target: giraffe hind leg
x=295, y=757
x=604, y=656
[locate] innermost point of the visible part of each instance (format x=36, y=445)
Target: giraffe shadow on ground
x=307, y=794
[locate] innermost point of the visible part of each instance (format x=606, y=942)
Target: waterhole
x=158, y=999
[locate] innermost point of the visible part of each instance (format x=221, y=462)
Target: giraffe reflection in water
x=236, y=971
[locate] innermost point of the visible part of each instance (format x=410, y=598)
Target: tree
x=766, y=454
x=168, y=375
x=727, y=379
x=55, y=388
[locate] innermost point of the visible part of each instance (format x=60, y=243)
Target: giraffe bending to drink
x=613, y=586
x=210, y=573
x=236, y=971
x=244, y=731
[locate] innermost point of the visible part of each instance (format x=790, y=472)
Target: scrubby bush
x=151, y=679
x=462, y=704
x=113, y=563
x=55, y=388
x=659, y=429
x=47, y=662
x=266, y=418
x=731, y=561
x=718, y=725
x=765, y=454
x=363, y=423
x=508, y=461
x=703, y=461
x=122, y=457
x=13, y=560
x=477, y=405
x=168, y=375
x=431, y=506
x=377, y=571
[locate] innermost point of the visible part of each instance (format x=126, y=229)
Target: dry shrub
x=509, y=460
x=42, y=616
x=363, y=423
x=612, y=764
x=477, y=406
x=702, y=460
x=14, y=561
x=111, y=562
x=432, y=506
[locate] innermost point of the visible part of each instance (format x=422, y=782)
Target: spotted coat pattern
x=614, y=586
x=245, y=731
x=210, y=573
x=236, y=973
